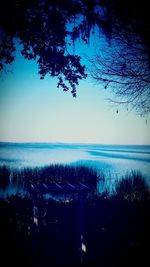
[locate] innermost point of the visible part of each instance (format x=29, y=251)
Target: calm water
x=113, y=160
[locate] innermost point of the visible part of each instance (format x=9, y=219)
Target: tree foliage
x=47, y=28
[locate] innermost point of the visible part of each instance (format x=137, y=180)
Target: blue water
x=113, y=160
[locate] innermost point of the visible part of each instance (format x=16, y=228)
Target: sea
x=114, y=161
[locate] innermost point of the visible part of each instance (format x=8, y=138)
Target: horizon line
x=71, y=143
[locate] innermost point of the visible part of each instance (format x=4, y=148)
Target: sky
x=34, y=110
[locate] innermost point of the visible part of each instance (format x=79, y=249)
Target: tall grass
x=132, y=187
x=49, y=174
x=4, y=177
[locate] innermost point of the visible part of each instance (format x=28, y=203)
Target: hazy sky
x=34, y=110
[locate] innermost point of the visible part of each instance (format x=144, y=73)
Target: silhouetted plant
x=4, y=176
x=132, y=187
x=49, y=174
x=47, y=28
x=60, y=174
x=16, y=178
x=115, y=232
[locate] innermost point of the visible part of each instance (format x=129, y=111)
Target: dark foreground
x=115, y=232
x=79, y=229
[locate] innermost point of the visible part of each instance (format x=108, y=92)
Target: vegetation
x=132, y=187
x=49, y=174
x=4, y=177
x=115, y=230
x=124, y=69
x=46, y=30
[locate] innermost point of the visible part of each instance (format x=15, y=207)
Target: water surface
x=113, y=160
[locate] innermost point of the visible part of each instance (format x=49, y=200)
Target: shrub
x=132, y=187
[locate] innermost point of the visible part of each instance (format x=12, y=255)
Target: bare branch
x=124, y=68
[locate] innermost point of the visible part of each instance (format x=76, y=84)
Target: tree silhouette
x=124, y=69
x=124, y=66
x=46, y=29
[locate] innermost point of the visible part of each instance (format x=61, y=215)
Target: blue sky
x=34, y=110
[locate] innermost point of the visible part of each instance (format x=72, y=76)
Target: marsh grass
x=49, y=174
x=132, y=187
x=4, y=177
